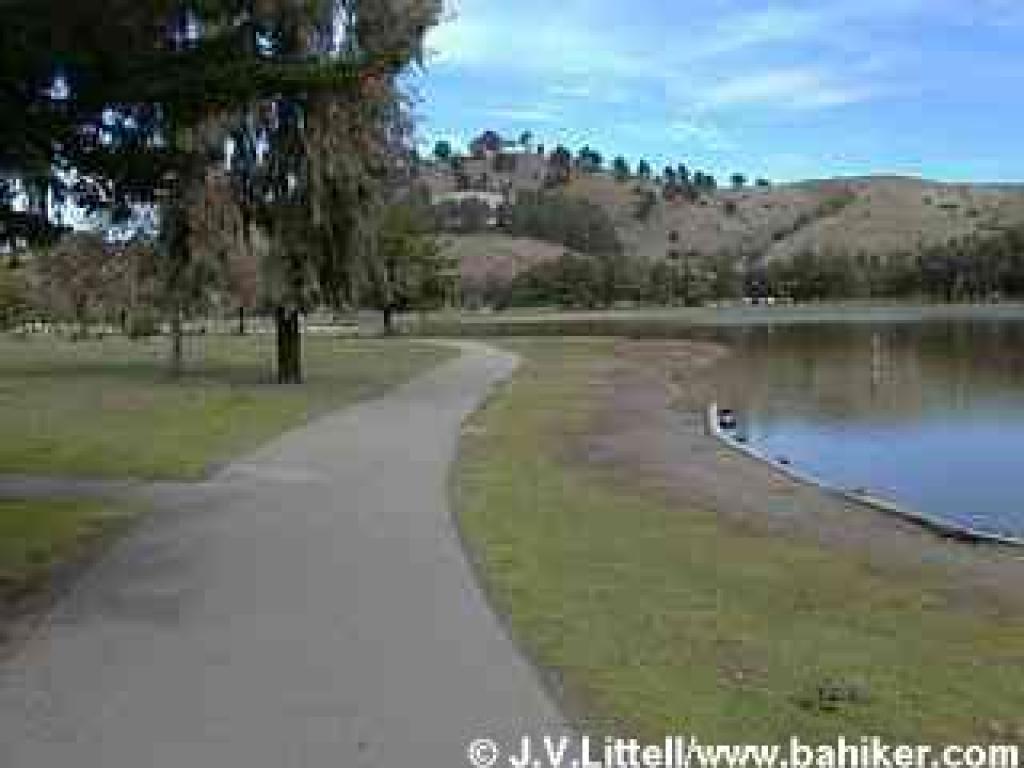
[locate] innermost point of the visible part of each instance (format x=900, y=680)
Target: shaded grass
x=667, y=619
x=38, y=536
x=108, y=408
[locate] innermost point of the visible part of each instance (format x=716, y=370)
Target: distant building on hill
x=468, y=210
x=487, y=144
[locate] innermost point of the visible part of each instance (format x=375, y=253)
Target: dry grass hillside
x=497, y=256
x=878, y=215
x=900, y=215
x=870, y=218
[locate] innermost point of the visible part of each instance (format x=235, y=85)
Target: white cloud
x=589, y=90
x=505, y=43
x=525, y=114
x=701, y=132
x=784, y=88
x=571, y=90
x=761, y=27
x=773, y=56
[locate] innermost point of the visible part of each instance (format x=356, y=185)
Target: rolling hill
x=874, y=220
x=496, y=256
x=875, y=216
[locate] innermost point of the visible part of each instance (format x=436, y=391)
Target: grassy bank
x=669, y=619
x=108, y=408
x=38, y=536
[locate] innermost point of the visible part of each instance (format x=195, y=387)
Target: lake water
x=927, y=414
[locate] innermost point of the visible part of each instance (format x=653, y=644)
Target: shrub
x=646, y=204
x=577, y=224
x=573, y=281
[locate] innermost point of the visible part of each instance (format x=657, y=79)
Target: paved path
x=309, y=606
x=15, y=486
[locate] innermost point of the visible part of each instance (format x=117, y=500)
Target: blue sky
x=782, y=88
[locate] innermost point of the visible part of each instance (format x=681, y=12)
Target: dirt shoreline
x=651, y=430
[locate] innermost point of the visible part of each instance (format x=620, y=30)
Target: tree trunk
x=289, y=346
x=241, y=321
x=82, y=320
x=177, y=346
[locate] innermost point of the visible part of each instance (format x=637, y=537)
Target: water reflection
x=929, y=414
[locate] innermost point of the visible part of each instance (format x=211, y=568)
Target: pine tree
x=620, y=168
x=131, y=107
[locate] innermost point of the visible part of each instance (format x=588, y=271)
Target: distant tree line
x=546, y=215
x=87, y=279
x=974, y=268
x=572, y=281
x=90, y=279
x=412, y=273
x=555, y=218
x=971, y=269
x=596, y=281
x=676, y=181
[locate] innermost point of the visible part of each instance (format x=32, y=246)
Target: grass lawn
x=108, y=408
x=36, y=536
x=666, y=619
